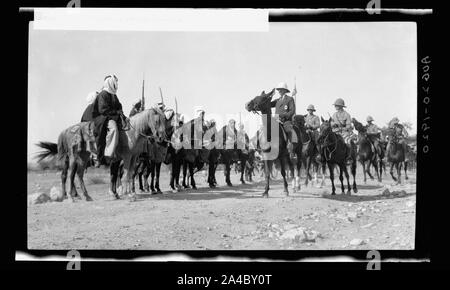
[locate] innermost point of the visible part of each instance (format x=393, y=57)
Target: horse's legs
x=331, y=169
x=347, y=176
x=191, y=175
x=406, y=169
x=368, y=169
x=172, y=175
x=391, y=171
x=158, y=170
x=283, y=163
x=341, y=176
x=375, y=165
x=243, y=162
x=399, y=172
x=64, y=177
x=146, y=174
x=72, y=172
x=324, y=169
x=80, y=173
x=380, y=165
x=185, y=165
x=308, y=168
x=152, y=173
x=227, y=173
x=114, y=174
x=210, y=174
x=363, y=163
x=267, y=171
x=353, y=170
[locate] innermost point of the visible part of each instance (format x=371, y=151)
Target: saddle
x=83, y=137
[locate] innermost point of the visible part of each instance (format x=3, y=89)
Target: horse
x=367, y=152
x=310, y=150
x=189, y=152
x=396, y=156
x=410, y=159
x=273, y=147
x=73, y=150
x=334, y=151
x=145, y=125
x=237, y=155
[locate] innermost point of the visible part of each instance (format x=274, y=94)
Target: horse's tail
x=63, y=149
x=50, y=150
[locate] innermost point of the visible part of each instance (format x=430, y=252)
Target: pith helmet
x=339, y=102
x=395, y=120
x=311, y=107
x=369, y=118
x=283, y=85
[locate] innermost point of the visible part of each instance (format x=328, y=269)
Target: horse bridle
x=328, y=145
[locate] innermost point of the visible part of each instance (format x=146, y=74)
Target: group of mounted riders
x=105, y=114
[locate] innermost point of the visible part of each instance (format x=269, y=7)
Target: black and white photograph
x=292, y=136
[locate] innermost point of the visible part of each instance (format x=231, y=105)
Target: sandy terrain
x=234, y=218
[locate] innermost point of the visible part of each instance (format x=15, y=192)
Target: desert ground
x=379, y=216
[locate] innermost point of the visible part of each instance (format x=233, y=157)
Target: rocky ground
x=379, y=216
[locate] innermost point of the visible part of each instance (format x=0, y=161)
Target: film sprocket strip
x=422, y=242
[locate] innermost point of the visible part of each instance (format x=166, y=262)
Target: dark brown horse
x=396, y=155
x=273, y=140
x=367, y=153
x=310, y=151
x=334, y=151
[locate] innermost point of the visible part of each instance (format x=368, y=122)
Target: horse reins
x=329, y=152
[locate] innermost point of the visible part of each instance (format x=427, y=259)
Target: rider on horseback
x=341, y=122
x=399, y=131
x=312, y=123
x=285, y=108
x=373, y=134
x=107, y=114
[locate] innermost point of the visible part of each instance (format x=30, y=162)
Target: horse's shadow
x=247, y=190
x=363, y=198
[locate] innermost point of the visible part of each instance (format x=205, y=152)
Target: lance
x=142, y=97
x=160, y=92
x=176, y=113
x=295, y=96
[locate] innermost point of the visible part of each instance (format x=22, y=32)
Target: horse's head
x=299, y=120
x=260, y=103
x=325, y=130
x=158, y=122
x=359, y=126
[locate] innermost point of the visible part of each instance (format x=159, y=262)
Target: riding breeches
x=112, y=138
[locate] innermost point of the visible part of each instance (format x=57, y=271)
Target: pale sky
x=371, y=65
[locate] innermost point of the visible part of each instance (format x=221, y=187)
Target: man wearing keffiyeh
x=107, y=113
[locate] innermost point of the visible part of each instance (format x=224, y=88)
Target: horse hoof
x=349, y=192
x=265, y=195
x=229, y=184
x=194, y=187
x=88, y=198
x=355, y=190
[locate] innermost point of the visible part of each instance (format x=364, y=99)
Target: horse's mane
x=140, y=122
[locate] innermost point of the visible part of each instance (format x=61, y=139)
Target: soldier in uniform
x=341, y=123
x=400, y=131
x=312, y=122
x=373, y=132
x=285, y=108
